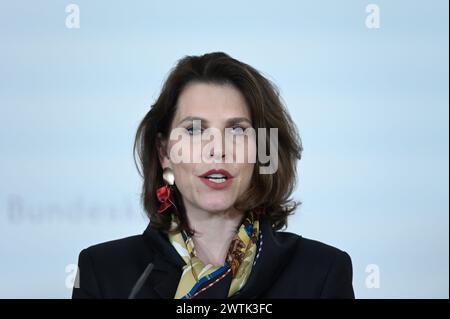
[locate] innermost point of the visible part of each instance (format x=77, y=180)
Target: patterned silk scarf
x=198, y=277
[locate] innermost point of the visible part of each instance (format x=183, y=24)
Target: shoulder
x=326, y=268
x=116, y=250
x=311, y=248
x=115, y=245
x=108, y=269
x=318, y=250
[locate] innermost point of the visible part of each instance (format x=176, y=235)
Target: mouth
x=217, y=178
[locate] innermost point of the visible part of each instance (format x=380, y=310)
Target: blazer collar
x=168, y=264
x=274, y=256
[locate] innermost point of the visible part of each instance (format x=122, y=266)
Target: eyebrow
x=230, y=121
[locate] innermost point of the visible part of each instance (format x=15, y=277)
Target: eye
x=238, y=130
x=194, y=131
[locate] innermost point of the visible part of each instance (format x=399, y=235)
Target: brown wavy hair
x=268, y=191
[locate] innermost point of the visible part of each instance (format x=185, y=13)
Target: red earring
x=164, y=194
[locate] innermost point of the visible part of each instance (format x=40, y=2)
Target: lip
x=214, y=185
x=217, y=171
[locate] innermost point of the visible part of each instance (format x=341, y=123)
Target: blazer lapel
x=273, y=257
x=168, y=264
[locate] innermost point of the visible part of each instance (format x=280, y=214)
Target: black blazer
x=289, y=266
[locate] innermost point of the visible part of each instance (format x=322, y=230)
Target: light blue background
x=371, y=106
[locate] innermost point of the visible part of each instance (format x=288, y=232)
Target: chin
x=216, y=205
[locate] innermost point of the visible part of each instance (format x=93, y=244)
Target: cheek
x=183, y=176
x=246, y=173
x=250, y=154
x=251, y=151
x=245, y=150
x=250, y=160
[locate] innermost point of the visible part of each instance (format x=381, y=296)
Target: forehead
x=211, y=101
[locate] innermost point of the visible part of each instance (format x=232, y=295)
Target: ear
x=163, y=157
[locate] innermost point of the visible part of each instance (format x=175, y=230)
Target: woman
x=215, y=212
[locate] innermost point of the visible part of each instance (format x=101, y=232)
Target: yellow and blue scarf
x=198, y=277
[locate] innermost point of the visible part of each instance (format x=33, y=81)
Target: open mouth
x=216, y=178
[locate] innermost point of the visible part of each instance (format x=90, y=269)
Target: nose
x=217, y=151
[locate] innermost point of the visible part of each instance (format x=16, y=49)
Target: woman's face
x=217, y=107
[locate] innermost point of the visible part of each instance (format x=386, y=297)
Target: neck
x=213, y=233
